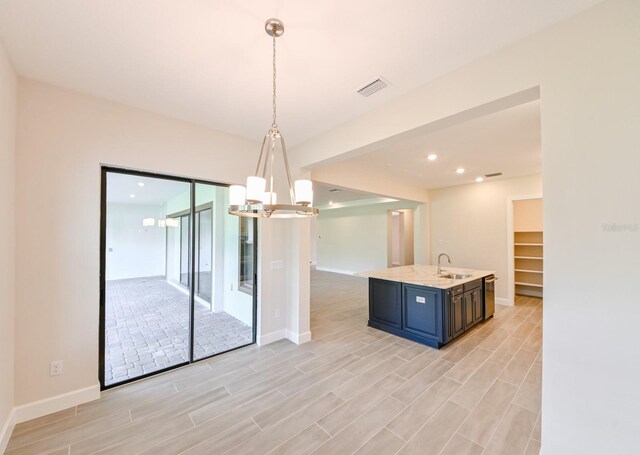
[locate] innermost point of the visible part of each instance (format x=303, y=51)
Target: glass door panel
x=185, y=256
x=146, y=312
x=224, y=307
x=204, y=235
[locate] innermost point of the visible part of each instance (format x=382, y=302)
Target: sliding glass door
x=223, y=311
x=173, y=287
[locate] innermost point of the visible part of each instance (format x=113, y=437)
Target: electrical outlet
x=278, y=313
x=55, y=368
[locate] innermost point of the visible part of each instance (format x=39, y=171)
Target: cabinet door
x=478, y=305
x=422, y=311
x=385, y=302
x=468, y=309
x=457, y=315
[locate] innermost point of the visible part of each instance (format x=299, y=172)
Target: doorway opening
x=526, y=246
x=177, y=281
x=400, y=238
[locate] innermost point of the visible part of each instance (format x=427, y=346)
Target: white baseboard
x=272, y=337
x=299, y=338
x=505, y=302
x=7, y=429
x=282, y=334
x=56, y=403
x=342, y=272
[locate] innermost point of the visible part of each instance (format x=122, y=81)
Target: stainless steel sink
x=454, y=276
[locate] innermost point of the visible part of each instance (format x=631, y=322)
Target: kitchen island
x=417, y=303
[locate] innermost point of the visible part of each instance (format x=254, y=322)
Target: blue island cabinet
x=430, y=316
x=384, y=306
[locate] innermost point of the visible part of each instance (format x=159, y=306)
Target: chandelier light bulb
x=255, y=189
x=304, y=192
x=237, y=195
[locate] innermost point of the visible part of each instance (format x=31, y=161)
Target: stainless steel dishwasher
x=489, y=296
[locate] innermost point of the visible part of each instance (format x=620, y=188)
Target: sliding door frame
x=104, y=171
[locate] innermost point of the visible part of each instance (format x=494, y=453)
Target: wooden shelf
x=528, y=269
x=533, y=237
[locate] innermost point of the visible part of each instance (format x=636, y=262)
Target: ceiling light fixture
x=140, y=184
x=479, y=179
x=255, y=200
x=172, y=222
x=460, y=170
x=432, y=157
x=132, y=196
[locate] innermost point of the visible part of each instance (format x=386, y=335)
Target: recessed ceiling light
x=132, y=195
x=479, y=179
x=330, y=202
x=432, y=157
x=460, y=170
x=140, y=184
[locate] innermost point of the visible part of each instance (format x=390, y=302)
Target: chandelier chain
x=275, y=125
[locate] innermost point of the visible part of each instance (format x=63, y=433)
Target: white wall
x=63, y=137
x=313, y=223
x=237, y=303
x=469, y=223
x=133, y=250
x=354, y=239
x=587, y=69
x=421, y=236
x=8, y=92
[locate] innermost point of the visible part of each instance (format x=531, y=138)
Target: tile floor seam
x=462, y=423
x=536, y=424
x=393, y=432
x=533, y=428
x=495, y=430
x=435, y=412
x=259, y=427
x=389, y=420
x=325, y=431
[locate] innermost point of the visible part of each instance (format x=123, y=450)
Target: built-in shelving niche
x=528, y=262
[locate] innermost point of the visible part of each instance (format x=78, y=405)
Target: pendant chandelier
x=257, y=199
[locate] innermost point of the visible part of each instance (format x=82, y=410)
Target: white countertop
x=425, y=275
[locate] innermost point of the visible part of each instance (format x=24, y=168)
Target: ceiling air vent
x=334, y=190
x=495, y=174
x=373, y=87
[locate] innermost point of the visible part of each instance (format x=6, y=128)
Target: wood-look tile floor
x=352, y=389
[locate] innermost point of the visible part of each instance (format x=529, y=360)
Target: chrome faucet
x=439, y=258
